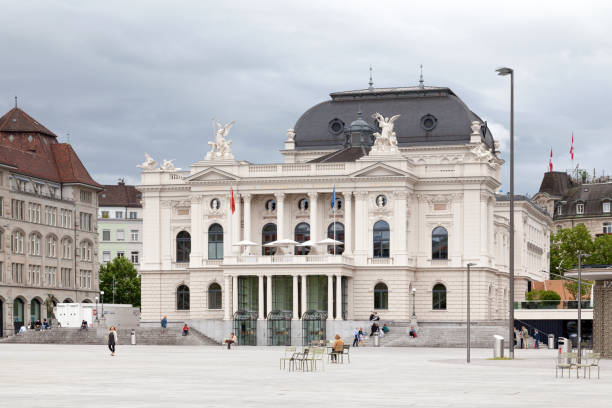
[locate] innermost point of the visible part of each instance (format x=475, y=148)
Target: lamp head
x=102, y=292
x=413, y=290
x=471, y=264
x=504, y=71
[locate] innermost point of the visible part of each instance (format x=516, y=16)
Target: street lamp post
x=509, y=71
x=102, y=299
x=96, y=308
x=413, y=302
x=468, y=310
x=579, y=296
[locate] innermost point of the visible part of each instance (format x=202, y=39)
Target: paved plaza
x=157, y=376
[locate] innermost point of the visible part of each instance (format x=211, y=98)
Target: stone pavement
x=184, y=376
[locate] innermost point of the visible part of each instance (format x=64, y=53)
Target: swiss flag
x=232, y=202
x=550, y=165
x=572, y=148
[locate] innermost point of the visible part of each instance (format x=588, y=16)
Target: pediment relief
x=379, y=170
x=211, y=174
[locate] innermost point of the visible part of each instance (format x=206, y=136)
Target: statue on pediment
x=386, y=140
x=149, y=164
x=167, y=165
x=220, y=148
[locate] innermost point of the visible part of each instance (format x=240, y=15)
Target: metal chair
x=288, y=353
x=563, y=361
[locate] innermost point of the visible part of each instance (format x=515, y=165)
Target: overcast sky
x=125, y=77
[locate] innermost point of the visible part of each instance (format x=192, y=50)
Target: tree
x=124, y=276
x=601, y=252
x=565, y=246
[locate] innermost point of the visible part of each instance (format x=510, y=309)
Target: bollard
x=551, y=341
x=376, y=340
x=498, y=347
x=133, y=337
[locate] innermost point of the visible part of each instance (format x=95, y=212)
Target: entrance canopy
x=592, y=272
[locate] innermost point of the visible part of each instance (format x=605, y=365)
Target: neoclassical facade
x=259, y=248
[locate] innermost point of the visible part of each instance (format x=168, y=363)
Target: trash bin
x=376, y=340
x=498, y=346
x=133, y=337
x=564, y=347
x=551, y=341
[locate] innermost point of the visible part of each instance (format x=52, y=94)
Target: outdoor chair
x=288, y=354
x=314, y=356
x=563, y=361
x=299, y=359
x=345, y=352
x=590, y=360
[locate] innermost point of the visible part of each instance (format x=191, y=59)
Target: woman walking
x=112, y=339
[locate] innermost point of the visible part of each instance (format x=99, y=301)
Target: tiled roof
x=120, y=195
x=34, y=151
x=568, y=193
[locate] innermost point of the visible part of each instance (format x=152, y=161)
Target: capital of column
x=346, y=194
x=279, y=196
x=313, y=195
x=246, y=197
x=362, y=195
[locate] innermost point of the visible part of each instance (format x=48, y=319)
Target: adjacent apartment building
x=120, y=223
x=574, y=201
x=48, y=239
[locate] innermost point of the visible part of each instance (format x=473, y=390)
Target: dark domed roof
x=429, y=116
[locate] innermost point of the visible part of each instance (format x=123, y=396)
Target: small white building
x=73, y=314
x=414, y=203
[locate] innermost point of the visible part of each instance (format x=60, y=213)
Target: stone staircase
x=439, y=335
x=144, y=336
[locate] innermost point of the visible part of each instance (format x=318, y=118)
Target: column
x=269, y=299
x=197, y=245
x=260, y=298
x=234, y=294
x=166, y=234
x=348, y=223
x=361, y=226
x=314, y=222
x=228, y=228
x=295, y=298
x=400, y=248
x=280, y=215
x=338, y=297
x=227, y=298
x=304, y=294
x=330, y=297
x=236, y=218
x=247, y=216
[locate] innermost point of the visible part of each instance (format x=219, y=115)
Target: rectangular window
x=17, y=272
x=34, y=210
x=606, y=206
x=85, y=219
x=1, y=206
x=66, y=216
x=120, y=254
x=579, y=208
x=105, y=235
x=1, y=271
x=85, y=279
x=133, y=215
x=50, y=276
x=51, y=216
x=65, y=275
x=105, y=214
x=135, y=235
x=607, y=227
x=18, y=209
x=120, y=235
x=106, y=256
x=86, y=196
x=135, y=257
x=118, y=214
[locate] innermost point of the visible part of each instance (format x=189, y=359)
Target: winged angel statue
x=220, y=148
x=385, y=142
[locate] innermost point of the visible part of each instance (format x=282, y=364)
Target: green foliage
x=549, y=295
x=565, y=246
x=601, y=252
x=572, y=287
x=547, y=299
x=126, y=279
x=533, y=295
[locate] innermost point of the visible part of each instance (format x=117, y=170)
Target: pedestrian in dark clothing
x=374, y=328
x=112, y=339
x=356, y=337
x=164, y=323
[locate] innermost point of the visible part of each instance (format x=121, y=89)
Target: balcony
x=380, y=261
x=289, y=259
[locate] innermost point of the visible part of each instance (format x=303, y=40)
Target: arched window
x=34, y=310
x=52, y=246
x=182, y=298
x=86, y=251
x=18, y=313
x=215, y=242
x=381, y=296
x=439, y=297
x=268, y=234
x=439, y=243
x=183, y=246
x=335, y=231
x=214, y=296
x=302, y=234
x=381, y=239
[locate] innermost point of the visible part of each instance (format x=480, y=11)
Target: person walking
x=356, y=337
x=164, y=324
x=536, y=338
x=112, y=339
x=525, y=336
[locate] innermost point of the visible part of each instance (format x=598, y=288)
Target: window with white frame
x=607, y=227
x=17, y=272
x=66, y=216
x=606, y=207
x=34, y=212
x=119, y=214
x=65, y=277
x=106, y=256
x=85, y=279
x=120, y=254
x=17, y=242
x=106, y=235
x=133, y=215
x=50, y=276
x=18, y=209
x=51, y=246
x=105, y=214
x=35, y=244
x=135, y=257
x=120, y=235
x=85, y=251
x=85, y=221
x=86, y=196
x=580, y=208
x=51, y=216
x=135, y=235
x=34, y=275
x=66, y=248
